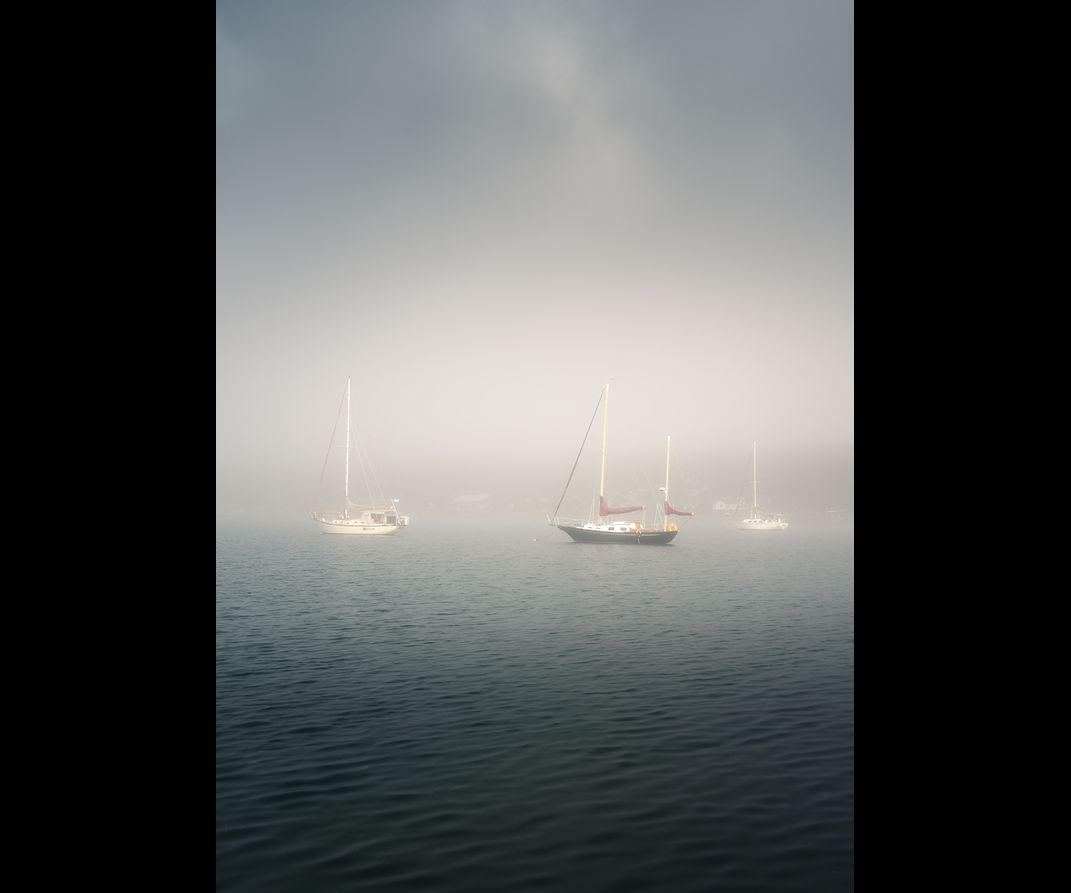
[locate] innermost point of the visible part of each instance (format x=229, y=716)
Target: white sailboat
x=757, y=521
x=603, y=530
x=356, y=519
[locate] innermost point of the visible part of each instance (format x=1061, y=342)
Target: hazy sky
x=483, y=211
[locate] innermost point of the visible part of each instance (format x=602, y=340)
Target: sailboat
x=356, y=519
x=757, y=521
x=604, y=530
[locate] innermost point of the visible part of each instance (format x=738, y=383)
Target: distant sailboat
x=757, y=521
x=366, y=520
x=603, y=531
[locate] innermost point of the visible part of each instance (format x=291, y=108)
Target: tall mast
x=602, y=467
x=346, y=507
x=665, y=517
x=754, y=479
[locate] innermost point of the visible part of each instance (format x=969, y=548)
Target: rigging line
x=338, y=415
x=675, y=466
x=365, y=458
x=647, y=485
x=740, y=496
x=361, y=460
x=578, y=452
x=379, y=486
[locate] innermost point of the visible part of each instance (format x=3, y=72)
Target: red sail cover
x=672, y=511
x=605, y=509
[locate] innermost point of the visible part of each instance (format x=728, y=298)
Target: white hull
x=356, y=527
x=755, y=523
x=761, y=524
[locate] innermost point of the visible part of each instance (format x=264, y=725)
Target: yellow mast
x=665, y=517
x=602, y=467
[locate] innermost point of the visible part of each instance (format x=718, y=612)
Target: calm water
x=473, y=706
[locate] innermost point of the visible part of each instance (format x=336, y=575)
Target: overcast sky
x=484, y=211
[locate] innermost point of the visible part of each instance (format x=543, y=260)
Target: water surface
x=477, y=706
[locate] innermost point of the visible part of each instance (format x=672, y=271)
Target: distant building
x=472, y=497
x=472, y=501
x=726, y=505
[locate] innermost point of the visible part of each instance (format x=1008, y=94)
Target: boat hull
x=760, y=524
x=353, y=527
x=630, y=537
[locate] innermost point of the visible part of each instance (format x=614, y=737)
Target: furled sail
x=672, y=511
x=605, y=509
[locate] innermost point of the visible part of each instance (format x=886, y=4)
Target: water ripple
x=484, y=709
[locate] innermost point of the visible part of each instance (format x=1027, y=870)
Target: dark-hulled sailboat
x=604, y=530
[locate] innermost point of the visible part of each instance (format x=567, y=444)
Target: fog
x=482, y=212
